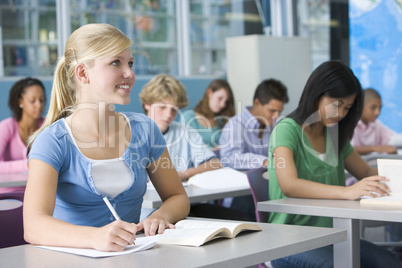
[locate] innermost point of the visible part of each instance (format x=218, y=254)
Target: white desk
x=275, y=241
x=346, y=215
x=195, y=194
x=13, y=180
x=371, y=159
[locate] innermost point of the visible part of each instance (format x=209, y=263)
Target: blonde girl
x=85, y=151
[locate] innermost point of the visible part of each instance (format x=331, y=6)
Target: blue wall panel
x=195, y=90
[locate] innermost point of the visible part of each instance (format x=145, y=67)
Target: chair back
x=217, y=153
x=259, y=190
x=11, y=225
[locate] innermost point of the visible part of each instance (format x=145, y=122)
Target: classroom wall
x=195, y=88
x=286, y=59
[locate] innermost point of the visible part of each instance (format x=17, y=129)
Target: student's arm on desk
x=292, y=186
x=386, y=149
x=41, y=228
x=176, y=205
x=211, y=164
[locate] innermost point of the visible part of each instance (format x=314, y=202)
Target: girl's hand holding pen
x=115, y=236
x=119, y=234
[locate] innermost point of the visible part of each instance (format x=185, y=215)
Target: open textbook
x=198, y=232
x=392, y=169
x=141, y=243
x=218, y=179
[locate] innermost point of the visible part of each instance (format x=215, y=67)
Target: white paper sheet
x=141, y=243
x=223, y=178
x=392, y=169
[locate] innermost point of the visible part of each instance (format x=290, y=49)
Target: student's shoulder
x=378, y=124
x=140, y=123
x=236, y=119
x=9, y=128
x=188, y=114
x=56, y=129
x=8, y=120
x=189, y=117
x=8, y=123
x=54, y=136
x=287, y=123
x=287, y=127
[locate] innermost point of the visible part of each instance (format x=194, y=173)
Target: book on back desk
x=392, y=169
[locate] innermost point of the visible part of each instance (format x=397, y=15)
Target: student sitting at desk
x=309, y=151
x=162, y=98
x=84, y=143
x=26, y=101
x=244, y=139
x=212, y=112
x=370, y=134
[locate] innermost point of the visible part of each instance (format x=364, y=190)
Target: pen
x=116, y=216
x=111, y=208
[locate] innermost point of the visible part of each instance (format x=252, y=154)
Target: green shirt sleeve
x=347, y=150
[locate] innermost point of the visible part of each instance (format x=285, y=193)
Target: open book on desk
x=198, y=232
x=392, y=169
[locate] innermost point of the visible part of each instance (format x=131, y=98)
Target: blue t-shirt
x=78, y=201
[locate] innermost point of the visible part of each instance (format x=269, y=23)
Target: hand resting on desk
x=154, y=225
x=371, y=186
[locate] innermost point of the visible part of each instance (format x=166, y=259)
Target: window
x=213, y=21
x=149, y=24
x=28, y=36
x=185, y=38
x=314, y=22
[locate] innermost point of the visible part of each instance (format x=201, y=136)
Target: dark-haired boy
x=244, y=139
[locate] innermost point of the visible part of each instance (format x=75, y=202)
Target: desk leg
x=347, y=253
